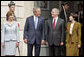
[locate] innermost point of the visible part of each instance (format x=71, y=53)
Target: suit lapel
x=69, y=26
x=38, y=22
x=51, y=23
x=57, y=24
x=33, y=21
x=74, y=27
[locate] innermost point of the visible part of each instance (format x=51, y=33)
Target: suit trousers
x=63, y=50
x=54, y=50
x=37, y=49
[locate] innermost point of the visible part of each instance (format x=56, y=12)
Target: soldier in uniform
x=12, y=9
x=62, y=13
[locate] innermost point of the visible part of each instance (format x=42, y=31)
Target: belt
x=73, y=42
x=70, y=34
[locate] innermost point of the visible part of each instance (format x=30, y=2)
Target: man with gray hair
x=34, y=32
x=55, y=33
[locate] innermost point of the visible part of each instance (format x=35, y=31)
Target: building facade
x=24, y=9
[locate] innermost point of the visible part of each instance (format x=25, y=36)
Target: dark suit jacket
x=81, y=19
x=57, y=35
x=33, y=34
x=62, y=15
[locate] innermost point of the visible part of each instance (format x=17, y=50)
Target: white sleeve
x=17, y=33
x=3, y=33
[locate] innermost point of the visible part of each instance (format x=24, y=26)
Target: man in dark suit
x=64, y=15
x=80, y=20
x=55, y=33
x=80, y=14
x=34, y=32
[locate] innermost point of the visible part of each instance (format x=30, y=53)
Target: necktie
x=36, y=20
x=54, y=24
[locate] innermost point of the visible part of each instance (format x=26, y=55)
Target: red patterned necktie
x=54, y=24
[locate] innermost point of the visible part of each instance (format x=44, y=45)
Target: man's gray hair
x=56, y=10
x=35, y=9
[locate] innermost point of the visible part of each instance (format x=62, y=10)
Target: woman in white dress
x=10, y=35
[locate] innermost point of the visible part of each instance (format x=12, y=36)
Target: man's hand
x=61, y=43
x=17, y=44
x=2, y=45
x=42, y=42
x=25, y=41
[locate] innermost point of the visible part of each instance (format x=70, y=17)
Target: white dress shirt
x=71, y=27
x=35, y=17
x=55, y=20
x=35, y=21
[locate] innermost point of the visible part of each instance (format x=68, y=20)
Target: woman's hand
x=79, y=46
x=2, y=44
x=17, y=44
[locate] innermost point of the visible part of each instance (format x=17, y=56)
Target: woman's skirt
x=10, y=48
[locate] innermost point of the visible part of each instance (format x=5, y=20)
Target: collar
x=55, y=18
